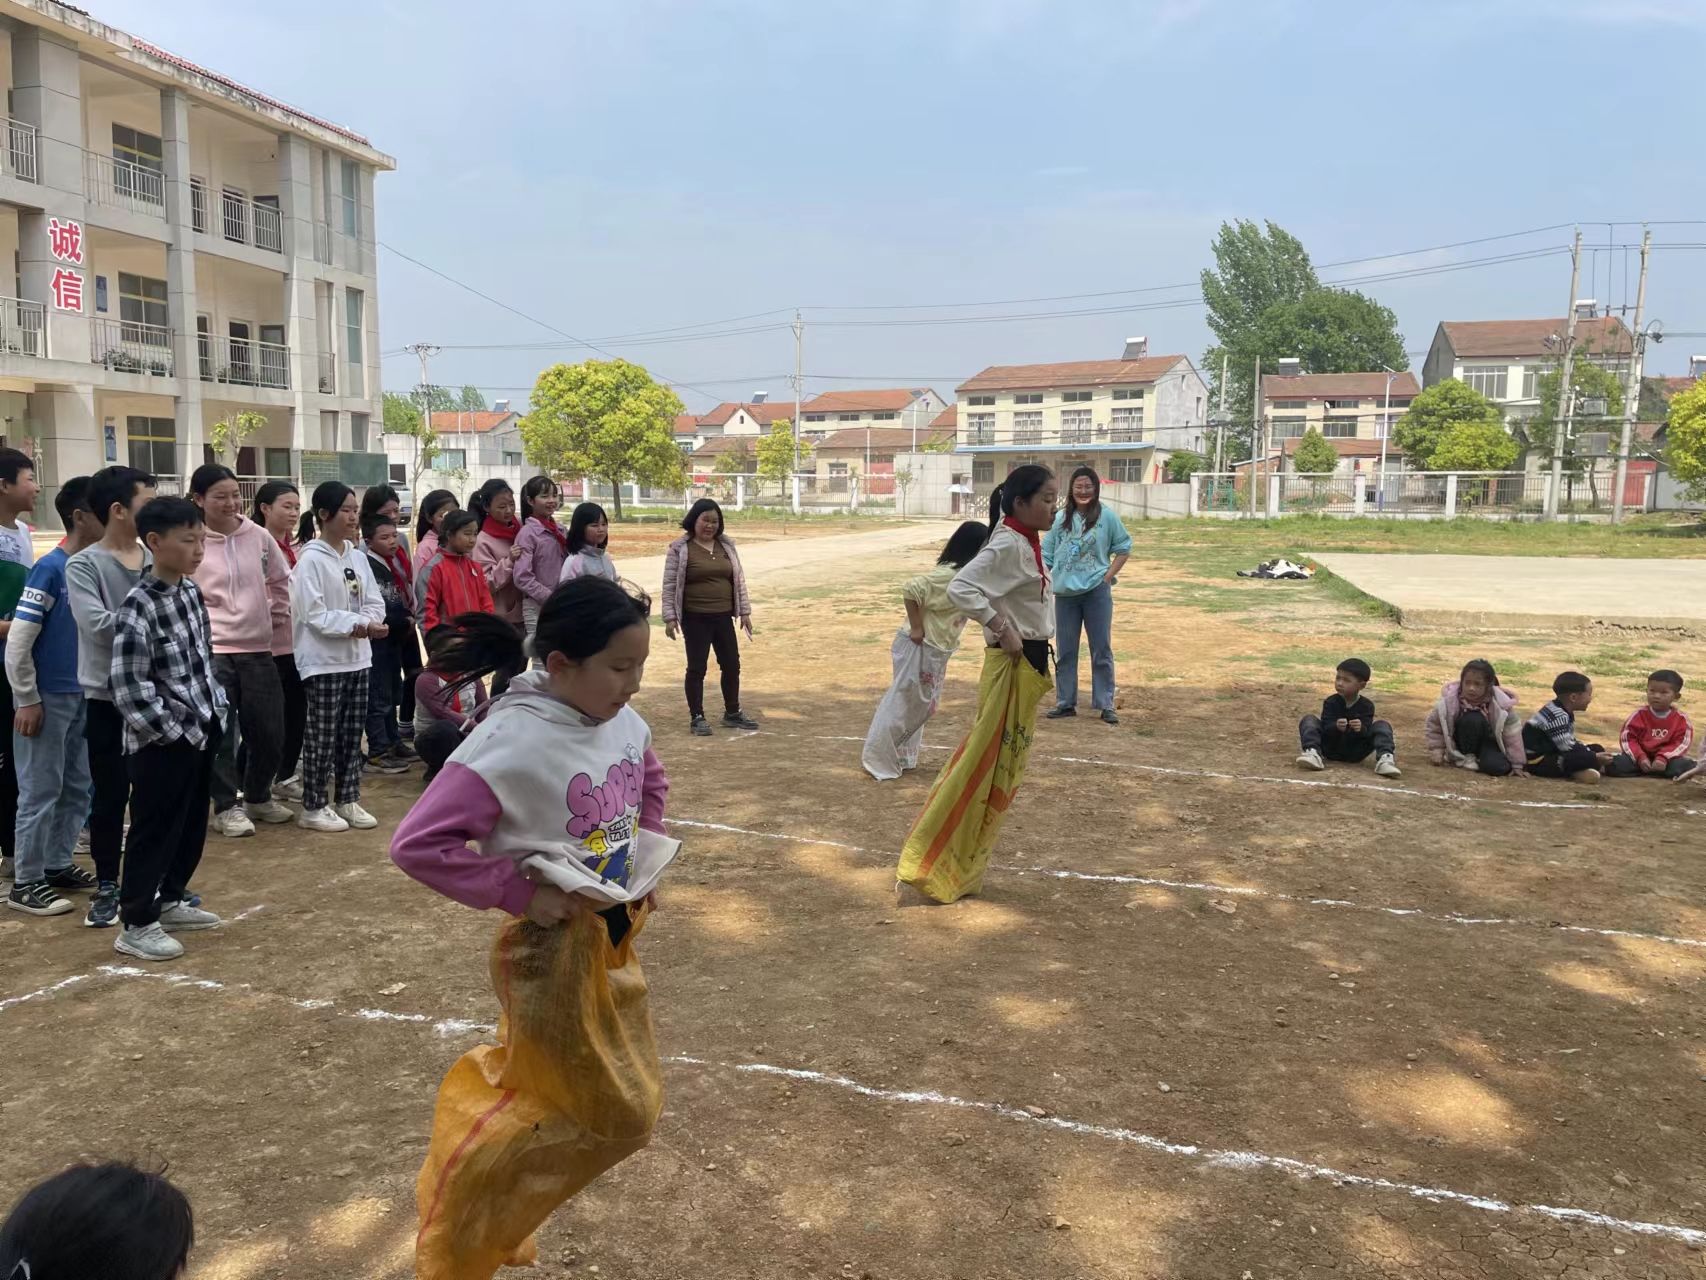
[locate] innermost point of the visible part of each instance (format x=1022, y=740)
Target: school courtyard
x=1212, y=1018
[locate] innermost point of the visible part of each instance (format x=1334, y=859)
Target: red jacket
x=1646, y=737
x=457, y=585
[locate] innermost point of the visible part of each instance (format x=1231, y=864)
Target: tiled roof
x=1472, y=338
x=763, y=414
x=725, y=444
x=947, y=420
x=457, y=422
x=883, y=439
x=1073, y=373
x=1333, y=386
x=887, y=400
x=686, y=424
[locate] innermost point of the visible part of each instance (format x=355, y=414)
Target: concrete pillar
x=740, y=493
x=67, y=331
x=1451, y=496
x=795, y=480
x=180, y=277
x=1195, y=506
x=68, y=438
x=47, y=92
x=1359, y=493
x=301, y=312
x=1273, y=496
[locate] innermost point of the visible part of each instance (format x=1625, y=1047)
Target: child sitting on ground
x=1474, y=724
x=1657, y=737
x=1549, y=738
x=1346, y=729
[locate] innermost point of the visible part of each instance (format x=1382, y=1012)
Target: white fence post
x=1359, y=493
x=1195, y=507
x=853, y=492
x=1451, y=496
x=1273, y=496
x=796, y=481
x=740, y=493
x=586, y=488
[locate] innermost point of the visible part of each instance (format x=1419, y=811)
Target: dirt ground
x=1208, y=1020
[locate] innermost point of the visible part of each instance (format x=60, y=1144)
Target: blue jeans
x=53, y=787
x=1094, y=612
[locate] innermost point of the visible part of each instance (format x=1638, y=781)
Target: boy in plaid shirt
x=174, y=713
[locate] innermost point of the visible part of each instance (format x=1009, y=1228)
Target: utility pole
x=799, y=382
x=1566, y=388
x=1220, y=427
x=423, y=351
x=1632, y=394
x=1256, y=450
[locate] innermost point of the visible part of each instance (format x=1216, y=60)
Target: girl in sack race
x=1006, y=588
x=920, y=656
x=574, y=1084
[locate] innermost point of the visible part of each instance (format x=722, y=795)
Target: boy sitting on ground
x=1346, y=729
x=1550, y=740
x=1657, y=737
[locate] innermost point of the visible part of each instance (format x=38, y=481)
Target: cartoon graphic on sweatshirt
x=603, y=815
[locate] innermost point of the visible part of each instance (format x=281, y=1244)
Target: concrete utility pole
x=1256, y=450
x=1385, y=431
x=423, y=351
x=1632, y=393
x=1220, y=426
x=799, y=382
x=1566, y=389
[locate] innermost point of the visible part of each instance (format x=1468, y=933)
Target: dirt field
x=1212, y=1019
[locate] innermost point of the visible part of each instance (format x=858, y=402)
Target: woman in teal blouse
x=1084, y=552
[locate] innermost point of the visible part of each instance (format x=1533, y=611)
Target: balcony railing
x=243, y=362
x=236, y=217
x=1074, y=437
x=124, y=184
x=328, y=373
x=23, y=327
x=126, y=346
x=245, y=221
x=269, y=228
x=21, y=150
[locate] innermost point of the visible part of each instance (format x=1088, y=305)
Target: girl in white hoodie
x=335, y=606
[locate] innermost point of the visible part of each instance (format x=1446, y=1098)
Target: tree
x=1685, y=440
x=404, y=418
x=1183, y=464
x=604, y=418
x=1592, y=382
x=1315, y=454
x=1476, y=445
x=776, y=453
x=227, y=437
x=1435, y=413
x=472, y=400
x=903, y=481
x=1331, y=331
x=736, y=462
x=1655, y=401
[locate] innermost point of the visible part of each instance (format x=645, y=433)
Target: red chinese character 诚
x=65, y=239
x=67, y=290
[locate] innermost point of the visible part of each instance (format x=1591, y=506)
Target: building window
x=351, y=196
x=1531, y=381
x=1291, y=404
x=1028, y=397
x=513, y=459
x=1074, y=397
x=1074, y=426
x=814, y=417
x=1344, y=404
x=353, y=328
x=1028, y=427
x=983, y=470
x=450, y=460
x=1289, y=428
x=1403, y=403
x=980, y=400
x=153, y=445
x=141, y=301
x=883, y=417
x=980, y=428
x=1127, y=425
x=847, y=417
x=1136, y=394
x=198, y=204
x=1488, y=379
x=138, y=165
x=1339, y=428
x=1125, y=470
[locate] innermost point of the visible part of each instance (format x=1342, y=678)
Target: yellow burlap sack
x=572, y=1087
x=945, y=855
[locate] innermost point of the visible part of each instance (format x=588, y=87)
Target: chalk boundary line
x=1201, y=886
x=1211, y=1157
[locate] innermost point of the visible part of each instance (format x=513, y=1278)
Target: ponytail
x=994, y=507
x=1021, y=483
x=328, y=497
x=476, y=645
x=481, y=501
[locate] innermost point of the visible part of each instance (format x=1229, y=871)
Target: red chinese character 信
x=67, y=290
x=65, y=239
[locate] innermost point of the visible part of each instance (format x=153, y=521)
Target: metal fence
x=1414, y=495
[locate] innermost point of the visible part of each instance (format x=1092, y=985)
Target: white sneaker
x=357, y=817
x=150, y=942
x=180, y=917
x=271, y=811
x=1311, y=759
x=233, y=823
x=321, y=820
x=1387, y=767
x=289, y=789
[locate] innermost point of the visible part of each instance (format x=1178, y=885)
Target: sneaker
x=148, y=942
x=1109, y=717
x=738, y=720
x=321, y=820
x=701, y=727
x=1311, y=759
x=356, y=816
x=1387, y=767
x=384, y=762
x=37, y=899
x=7, y=868
x=403, y=751
x=180, y=917
x=271, y=811
x=1060, y=713
x=73, y=878
x=233, y=823
x=289, y=789
x=103, y=907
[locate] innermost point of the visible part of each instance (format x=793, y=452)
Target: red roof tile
x=461, y=422
x=886, y=400
x=1073, y=373
x=718, y=445
x=686, y=424
x=947, y=420
x=1471, y=338
x=882, y=439
x=1333, y=386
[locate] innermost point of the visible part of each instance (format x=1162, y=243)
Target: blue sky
x=617, y=166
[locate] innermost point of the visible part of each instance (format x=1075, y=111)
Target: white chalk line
x=1373, y=788
x=45, y=991
x=1219, y=1158
x=1204, y=886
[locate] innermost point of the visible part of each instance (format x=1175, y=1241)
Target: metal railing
x=23, y=327
x=328, y=373
x=198, y=206
x=21, y=150
x=235, y=217
x=245, y=221
x=1071, y=436
x=269, y=227
x=126, y=346
x=1409, y=495
x=124, y=184
x=243, y=362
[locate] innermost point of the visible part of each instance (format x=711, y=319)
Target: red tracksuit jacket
x=457, y=586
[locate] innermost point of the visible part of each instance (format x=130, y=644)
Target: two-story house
x=1123, y=417
x=187, y=249
x=1354, y=411
x=910, y=408
x=1504, y=359
x=731, y=418
x=473, y=447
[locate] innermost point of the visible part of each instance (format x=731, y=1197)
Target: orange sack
x=572, y=1087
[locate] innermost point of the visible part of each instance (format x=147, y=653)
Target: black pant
x=169, y=788
x=382, y=680
x=1567, y=764
x=408, y=643
x=256, y=703
x=1623, y=766
x=295, y=713
x=703, y=632
x=1474, y=737
x=435, y=743
x=1347, y=748
x=8, y=773
x=103, y=730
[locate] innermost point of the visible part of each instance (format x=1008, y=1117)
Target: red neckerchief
x=289, y=553
x=557, y=531
x=1030, y=535
x=401, y=568
x=505, y=532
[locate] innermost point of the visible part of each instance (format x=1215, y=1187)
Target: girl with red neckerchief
x=495, y=549
x=543, y=544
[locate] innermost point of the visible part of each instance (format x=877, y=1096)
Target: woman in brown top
x=704, y=591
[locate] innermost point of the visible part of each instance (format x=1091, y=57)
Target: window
x=1289, y=428
x=198, y=204
x=1531, y=382
x=1401, y=402
x=1127, y=425
x=1074, y=397
x=1074, y=426
x=1291, y=404
x=1344, y=404
x=512, y=459
x=1488, y=379
x=358, y=432
x=980, y=400
x=204, y=346
x=353, y=327
x=983, y=471
x=883, y=417
x=329, y=430
x=142, y=301
x=1025, y=397
x=847, y=417
x=1339, y=428
x=351, y=197
x=1028, y=427
x=814, y=417
x=1125, y=470
x=450, y=460
x=1129, y=395
x=153, y=445
x=980, y=428
x=138, y=163
x=278, y=465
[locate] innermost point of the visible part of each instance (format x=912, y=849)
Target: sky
x=621, y=167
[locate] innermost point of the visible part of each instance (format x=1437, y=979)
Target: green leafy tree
x=403, y=418
x=1476, y=445
x=1183, y=464
x=904, y=478
x=1436, y=412
x=604, y=418
x=1592, y=382
x=1655, y=401
x=472, y=400
x=1685, y=440
x=776, y=453
x=1332, y=331
x=736, y=462
x=228, y=436
x=1315, y=454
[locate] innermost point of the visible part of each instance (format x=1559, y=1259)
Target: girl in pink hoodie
x=1474, y=725
x=495, y=550
x=244, y=578
x=543, y=545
